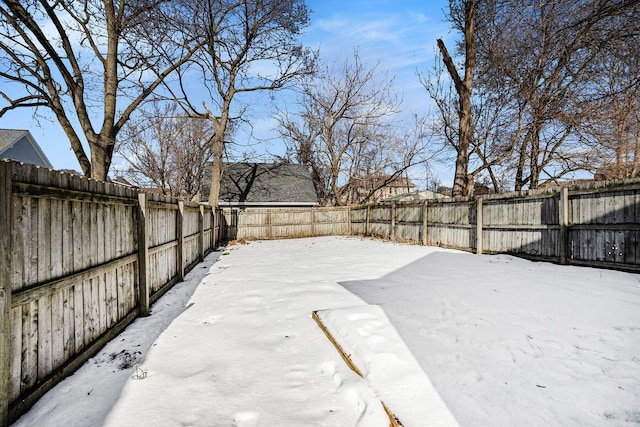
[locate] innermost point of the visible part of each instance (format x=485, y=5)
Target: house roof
x=264, y=184
x=8, y=137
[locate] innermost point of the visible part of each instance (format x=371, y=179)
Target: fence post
x=143, y=256
x=349, y=226
x=215, y=227
x=201, y=232
x=367, y=221
x=479, y=226
x=216, y=223
x=425, y=220
x=563, y=221
x=312, y=211
x=268, y=223
x=180, y=232
x=232, y=231
x=393, y=221
x=6, y=203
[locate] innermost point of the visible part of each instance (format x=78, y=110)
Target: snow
x=375, y=348
x=439, y=335
x=507, y=341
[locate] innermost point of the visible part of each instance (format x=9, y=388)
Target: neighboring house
x=416, y=196
x=263, y=185
x=21, y=146
x=380, y=187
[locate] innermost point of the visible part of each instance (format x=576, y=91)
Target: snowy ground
x=501, y=340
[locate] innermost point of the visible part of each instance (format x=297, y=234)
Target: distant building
x=416, y=196
x=380, y=187
x=21, y=146
x=263, y=185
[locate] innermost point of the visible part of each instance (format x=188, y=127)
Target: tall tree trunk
x=461, y=177
x=522, y=160
x=463, y=89
x=216, y=170
x=636, y=158
x=534, y=165
x=335, y=189
x=221, y=124
x=101, y=149
x=218, y=150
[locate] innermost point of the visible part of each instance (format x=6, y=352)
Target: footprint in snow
x=245, y=419
x=211, y=320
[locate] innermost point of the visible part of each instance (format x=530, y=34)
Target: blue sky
x=400, y=34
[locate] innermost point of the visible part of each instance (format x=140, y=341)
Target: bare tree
x=489, y=147
x=542, y=94
x=167, y=150
x=344, y=131
x=611, y=108
x=248, y=46
x=91, y=62
x=462, y=14
x=541, y=56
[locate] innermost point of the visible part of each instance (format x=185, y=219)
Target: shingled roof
x=264, y=185
x=19, y=144
x=9, y=136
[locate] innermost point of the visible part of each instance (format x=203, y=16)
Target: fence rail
x=80, y=260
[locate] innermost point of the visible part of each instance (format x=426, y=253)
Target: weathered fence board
x=604, y=226
x=71, y=269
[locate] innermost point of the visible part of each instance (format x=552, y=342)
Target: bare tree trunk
x=101, y=148
x=534, y=166
x=636, y=157
x=335, y=189
x=461, y=177
x=99, y=168
x=216, y=170
x=463, y=89
x=520, y=180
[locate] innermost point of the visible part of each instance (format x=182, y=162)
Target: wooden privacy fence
x=596, y=224
x=81, y=259
x=285, y=223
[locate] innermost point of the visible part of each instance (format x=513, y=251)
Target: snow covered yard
x=504, y=341
x=507, y=341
